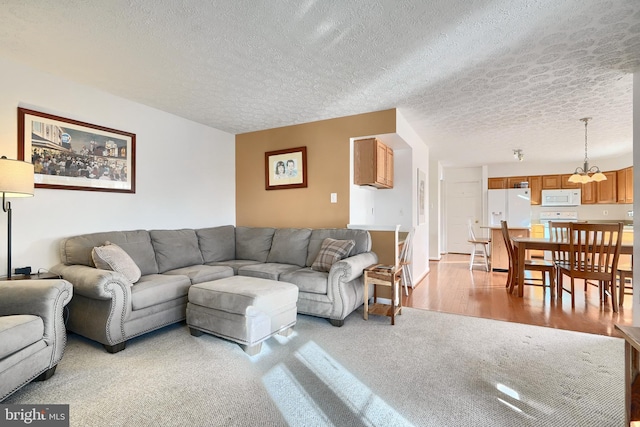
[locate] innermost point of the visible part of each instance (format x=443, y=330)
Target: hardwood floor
x=450, y=287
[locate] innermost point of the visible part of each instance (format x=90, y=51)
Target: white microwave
x=561, y=197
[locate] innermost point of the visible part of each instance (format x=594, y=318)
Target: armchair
x=32, y=331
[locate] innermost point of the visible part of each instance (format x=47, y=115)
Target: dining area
x=583, y=255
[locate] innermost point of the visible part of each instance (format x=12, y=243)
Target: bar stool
x=480, y=245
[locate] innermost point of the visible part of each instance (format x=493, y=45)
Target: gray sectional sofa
x=108, y=308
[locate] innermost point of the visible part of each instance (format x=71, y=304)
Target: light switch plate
x=334, y=197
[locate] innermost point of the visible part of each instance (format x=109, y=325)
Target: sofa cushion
x=235, y=264
x=217, y=243
x=332, y=251
x=203, y=273
x=361, y=237
x=253, y=243
x=155, y=289
x=175, y=248
x=307, y=280
x=137, y=243
x=267, y=270
x=18, y=332
x=289, y=246
x=112, y=257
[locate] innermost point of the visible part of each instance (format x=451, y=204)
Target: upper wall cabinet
x=535, y=187
x=373, y=163
x=497, y=183
x=625, y=185
x=617, y=188
x=564, y=182
x=551, y=182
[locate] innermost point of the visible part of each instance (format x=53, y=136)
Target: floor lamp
x=16, y=180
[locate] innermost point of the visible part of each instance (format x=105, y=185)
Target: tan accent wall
x=327, y=143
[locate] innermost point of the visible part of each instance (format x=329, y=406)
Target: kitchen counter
x=497, y=227
x=372, y=227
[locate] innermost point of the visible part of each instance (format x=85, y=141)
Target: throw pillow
x=113, y=257
x=332, y=251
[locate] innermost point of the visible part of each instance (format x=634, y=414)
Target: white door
x=464, y=201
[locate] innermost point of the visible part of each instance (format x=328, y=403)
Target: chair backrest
x=594, y=250
x=508, y=244
x=407, y=249
x=472, y=234
x=559, y=231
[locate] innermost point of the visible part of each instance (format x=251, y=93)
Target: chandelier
x=581, y=175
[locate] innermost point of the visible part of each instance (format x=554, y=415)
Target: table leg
x=393, y=299
x=520, y=271
x=366, y=297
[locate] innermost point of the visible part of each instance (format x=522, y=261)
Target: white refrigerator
x=512, y=205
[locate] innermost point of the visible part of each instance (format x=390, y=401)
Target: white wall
x=395, y=206
x=636, y=192
x=184, y=173
x=435, y=210
x=420, y=160
x=526, y=168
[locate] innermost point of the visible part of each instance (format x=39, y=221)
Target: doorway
x=463, y=201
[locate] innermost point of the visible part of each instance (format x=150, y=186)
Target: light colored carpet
x=430, y=369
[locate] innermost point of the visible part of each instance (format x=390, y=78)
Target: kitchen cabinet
x=588, y=194
x=617, y=188
x=499, y=255
x=497, y=183
x=535, y=186
x=624, y=179
x=373, y=163
x=564, y=182
x=606, y=190
x=551, y=182
x=514, y=181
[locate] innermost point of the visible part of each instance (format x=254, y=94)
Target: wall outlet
x=605, y=212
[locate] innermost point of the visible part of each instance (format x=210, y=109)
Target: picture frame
x=421, y=195
x=69, y=154
x=284, y=169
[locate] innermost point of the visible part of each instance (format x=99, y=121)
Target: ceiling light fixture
x=518, y=154
x=581, y=175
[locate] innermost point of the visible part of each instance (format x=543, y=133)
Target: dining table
x=522, y=244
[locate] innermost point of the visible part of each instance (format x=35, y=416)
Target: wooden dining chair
x=404, y=262
x=559, y=232
x=480, y=247
x=594, y=251
x=625, y=274
x=545, y=267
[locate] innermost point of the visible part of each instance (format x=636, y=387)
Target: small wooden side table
x=631, y=334
x=382, y=276
x=34, y=276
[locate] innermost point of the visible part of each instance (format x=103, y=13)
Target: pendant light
x=581, y=175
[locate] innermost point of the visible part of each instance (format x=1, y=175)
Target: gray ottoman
x=246, y=310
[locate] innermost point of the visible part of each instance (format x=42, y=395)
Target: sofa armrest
x=345, y=283
x=352, y=267
x=94, y=283
x=43, y=298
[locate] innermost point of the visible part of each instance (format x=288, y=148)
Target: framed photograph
x=422, y=191
x=72, y=155
x=285, y=168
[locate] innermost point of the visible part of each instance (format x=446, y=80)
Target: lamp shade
x=16, y=178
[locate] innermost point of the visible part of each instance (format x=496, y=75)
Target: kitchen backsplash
x=589, y=212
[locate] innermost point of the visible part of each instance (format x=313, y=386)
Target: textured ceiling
x=475, y=78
